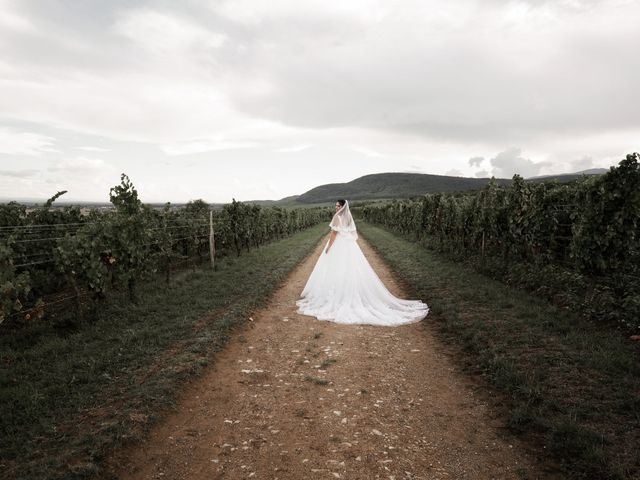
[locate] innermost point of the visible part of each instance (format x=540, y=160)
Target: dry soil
x=293, y=397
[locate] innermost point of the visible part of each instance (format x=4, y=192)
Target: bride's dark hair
x=341, y=202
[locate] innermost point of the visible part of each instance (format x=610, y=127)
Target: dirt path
x=393, y=406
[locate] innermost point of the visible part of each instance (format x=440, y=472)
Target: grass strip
x=67, y=398
x=568, y=385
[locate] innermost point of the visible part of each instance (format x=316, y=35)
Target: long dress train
x=344, y=288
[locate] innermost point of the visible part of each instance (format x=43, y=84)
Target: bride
x=344, y=288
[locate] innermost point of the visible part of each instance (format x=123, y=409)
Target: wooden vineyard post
x=212, y=241
x=482, y=255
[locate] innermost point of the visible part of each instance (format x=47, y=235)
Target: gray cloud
x=526, y=76
x=18, y=173
x=510, y=161
x=475, y=161
x=523, y=77
x=509, y=84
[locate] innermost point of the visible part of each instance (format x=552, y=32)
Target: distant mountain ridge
x=402, y=185
x=392, y=185
x=590, y=171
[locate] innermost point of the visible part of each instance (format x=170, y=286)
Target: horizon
x=61, y=200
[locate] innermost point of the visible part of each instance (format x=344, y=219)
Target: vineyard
x=72, y=395
x=577, y=244
x=60, y=258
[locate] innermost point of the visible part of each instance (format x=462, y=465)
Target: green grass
x=570, y=387
x=67, y=398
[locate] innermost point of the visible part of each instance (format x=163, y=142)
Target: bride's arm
x=333, y=237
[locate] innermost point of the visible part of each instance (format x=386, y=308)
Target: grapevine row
x=48, y=251
x=589, y=226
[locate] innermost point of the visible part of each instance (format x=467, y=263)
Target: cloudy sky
x=261, y=100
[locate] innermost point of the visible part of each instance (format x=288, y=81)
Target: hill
x=392, y=185
x=403, y=185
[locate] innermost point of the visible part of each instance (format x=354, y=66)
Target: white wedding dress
x=344, y=288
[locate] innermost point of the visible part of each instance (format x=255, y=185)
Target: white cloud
x=90, y=148
x=255, y=13
x=369, y=152
x=164, y=33
x=294, y=148
x=204, y=145
x=79, y=164
x=14, y=142
x=10, y=19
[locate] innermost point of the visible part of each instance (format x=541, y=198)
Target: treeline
x=51, y=256
x=576, y=243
